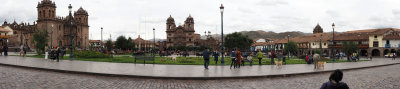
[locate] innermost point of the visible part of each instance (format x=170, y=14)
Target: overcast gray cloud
x=138, y=17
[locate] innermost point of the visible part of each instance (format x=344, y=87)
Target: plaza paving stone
x=183, y=71
x=385, y=77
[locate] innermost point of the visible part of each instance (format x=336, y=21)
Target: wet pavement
x=184, y=71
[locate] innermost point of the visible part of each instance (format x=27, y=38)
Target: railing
x=387, y=45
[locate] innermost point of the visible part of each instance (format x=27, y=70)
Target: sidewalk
x=184, y=71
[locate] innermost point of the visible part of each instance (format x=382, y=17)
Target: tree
x=39, y=40
x=109, y=45
x=237, y=40
x=130, y=44
x=291, y=46
x=121, y=43
x=349, y=47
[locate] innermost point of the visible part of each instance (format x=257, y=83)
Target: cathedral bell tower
x=170, y=23
x=46, y=10
x=318, y=29
x=81, y=16
x=189, y=23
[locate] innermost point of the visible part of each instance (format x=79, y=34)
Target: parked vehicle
x=389, y=55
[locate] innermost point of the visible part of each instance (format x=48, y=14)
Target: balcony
x=387, y=45
x=340, y=46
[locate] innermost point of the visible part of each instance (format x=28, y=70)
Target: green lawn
x=181, y=60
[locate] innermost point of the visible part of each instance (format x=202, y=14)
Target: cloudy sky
x=133, y=17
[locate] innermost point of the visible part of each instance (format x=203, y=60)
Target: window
x=365, y=42
x=324, y=44
x=169, y=40
x=49, y=13
x=375, y=44
x=375, y=36
x=44, y=13
x=169, y=26
x=387, y=42
x=190, y=39
x=40, y=13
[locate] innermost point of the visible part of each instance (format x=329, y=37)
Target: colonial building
x=143, y=45
x=369, y=42
x=58, y=27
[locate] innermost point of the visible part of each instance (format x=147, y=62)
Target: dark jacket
x=233, y=54
x=215, y=54
x=330, y=85
x=206, y=55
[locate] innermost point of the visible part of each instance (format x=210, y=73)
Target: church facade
x=182, y=35
x=58, y=27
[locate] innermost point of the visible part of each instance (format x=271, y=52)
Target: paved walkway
x=183, y=71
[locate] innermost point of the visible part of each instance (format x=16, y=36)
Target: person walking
x=62, y=52
x=394, y=56
x=308, y=62
x=206, y=56
x=21, y=52
x=316, y=57
x=259, y=56
x=57, y=53
x=46, y=50
x=233, y=58
x=335, y=81
x=215, y=54
x=272, y=57
x=1, y=50
x=24, y=48
x=5, y=48
x=250, y=58
x=238, y=58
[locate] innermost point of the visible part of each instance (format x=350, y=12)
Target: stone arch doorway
x=375, y=52
x=363, y=52
x=398, y=51
x=392, y=51
x=386, y=52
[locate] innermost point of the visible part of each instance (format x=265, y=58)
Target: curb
x=194, y=78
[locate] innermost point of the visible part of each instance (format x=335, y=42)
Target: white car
x=389, y=55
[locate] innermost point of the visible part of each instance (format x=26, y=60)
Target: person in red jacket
x=272, y=57
x=239, y=58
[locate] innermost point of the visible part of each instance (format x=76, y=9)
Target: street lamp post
x=320, y=44
x=51, y=37
x=359, y=44
x=154, y=41
x=288, y=37
x=222, y=34
x=101, y=34
x=71, y=55
x=333, y=43
x=85, y=41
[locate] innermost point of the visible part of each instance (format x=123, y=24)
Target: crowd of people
x=54, y=53
x=238, y=58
